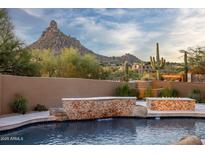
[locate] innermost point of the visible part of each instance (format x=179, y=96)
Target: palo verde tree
x=14, y=57
x=196, y=59
x=68, y=64
x=157, y=64
x=46, y=61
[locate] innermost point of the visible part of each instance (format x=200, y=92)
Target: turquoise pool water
x=118, y=131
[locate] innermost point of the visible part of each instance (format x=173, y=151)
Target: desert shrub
x=124, y=90
x=195, y=94
x=168, y=92
x=134, y=92
x=147, y=77
x=19, y=105
x=40, y=107
x=148, y=92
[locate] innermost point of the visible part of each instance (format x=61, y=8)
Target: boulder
x=190, y=140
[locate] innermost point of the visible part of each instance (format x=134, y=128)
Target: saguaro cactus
x=157, y=64
x=126, y=70
x=186, y=68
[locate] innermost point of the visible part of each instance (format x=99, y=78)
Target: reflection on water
x=109, y=131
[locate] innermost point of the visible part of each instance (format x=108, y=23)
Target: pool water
x=118, y=131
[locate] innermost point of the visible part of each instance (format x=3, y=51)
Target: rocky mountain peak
x=52, y=28
x=53, y=25
x=52, y=38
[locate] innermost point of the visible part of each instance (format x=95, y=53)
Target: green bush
x=124, y=90
x=19, y=105
x=134, y=92
x=40, y=107
x=195, y=94
x=168, y=92
x=148, y=92
x=147, y=76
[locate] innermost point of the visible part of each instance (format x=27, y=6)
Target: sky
x=114, y=32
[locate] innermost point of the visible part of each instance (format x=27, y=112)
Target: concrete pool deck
x=12, y=121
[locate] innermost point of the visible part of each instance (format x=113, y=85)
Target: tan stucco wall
x=49, y=91
x=0, y=93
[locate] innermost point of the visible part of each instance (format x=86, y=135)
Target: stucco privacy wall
x=0, y=92
x=49, y=91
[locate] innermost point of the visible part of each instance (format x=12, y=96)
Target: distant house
x=142, y=67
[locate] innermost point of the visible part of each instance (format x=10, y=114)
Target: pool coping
x=15, y=121
x=96, y=98
x=169, y=98
x=8, y=122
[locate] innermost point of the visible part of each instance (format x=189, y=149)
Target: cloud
x=188, y=31
x=118, y=39
x=34, y=12
x=111, y=12
x=114, y=32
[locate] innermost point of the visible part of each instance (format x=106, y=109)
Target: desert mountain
x=53, y=38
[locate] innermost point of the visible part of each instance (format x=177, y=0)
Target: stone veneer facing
x=102, y=107
x=171, y=104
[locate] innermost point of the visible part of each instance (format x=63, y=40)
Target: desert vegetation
x=195, y=94
x=168, y=92
x=196, y=59
x=40, y=107
x=69, y=63
x=14, y=57
x=125, y=90
x=18, y=59
x=19, y=104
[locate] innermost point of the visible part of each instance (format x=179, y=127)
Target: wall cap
x=96, y=98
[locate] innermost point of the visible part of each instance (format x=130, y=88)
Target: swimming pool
x=117, y=131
